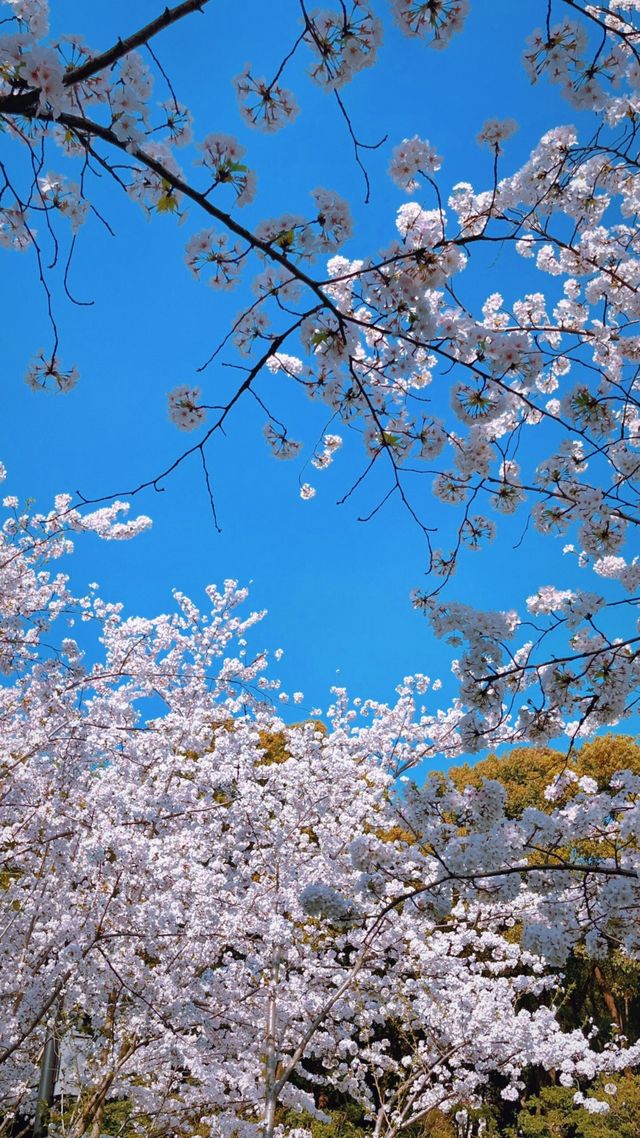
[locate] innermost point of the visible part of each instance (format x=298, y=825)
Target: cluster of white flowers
x=283, y=447
x=344, y=42
x=265, y=105
x=222, y=154
x=322, y=901
x=208, y=254
x=413, y=156
x=14, y=229
x=58, y=193
x=323, y=458
x=32, y=15
x=334, y=219
x=185, y=409
x=153, y=191
x=497, y=131
x=128, y=100
x=440, y=19
x=563, y=56
x=45, y=373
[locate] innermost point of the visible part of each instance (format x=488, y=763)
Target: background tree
x=604, y=991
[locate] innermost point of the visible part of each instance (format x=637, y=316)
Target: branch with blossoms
x=369, y=337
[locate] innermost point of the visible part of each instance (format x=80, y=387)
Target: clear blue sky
x=337, y=591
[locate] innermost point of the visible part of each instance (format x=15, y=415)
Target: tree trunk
x=607, y=996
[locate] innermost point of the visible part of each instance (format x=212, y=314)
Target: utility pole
x=48, y=1072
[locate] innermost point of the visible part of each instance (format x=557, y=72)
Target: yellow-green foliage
x=526, y=771
x=120, y=1120
x=117, y=1118
x=607, y=990
x=553, y=1114
x=604, y=756
x=345, y=1123
x=275, y=742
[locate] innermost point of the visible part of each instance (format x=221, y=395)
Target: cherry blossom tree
x=217, y=915
x=213, y=930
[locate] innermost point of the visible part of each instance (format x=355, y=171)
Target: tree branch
x=137, y=39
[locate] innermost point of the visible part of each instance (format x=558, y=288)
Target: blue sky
x=337, y=591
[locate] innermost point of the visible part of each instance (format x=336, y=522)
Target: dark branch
x=137, y=39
